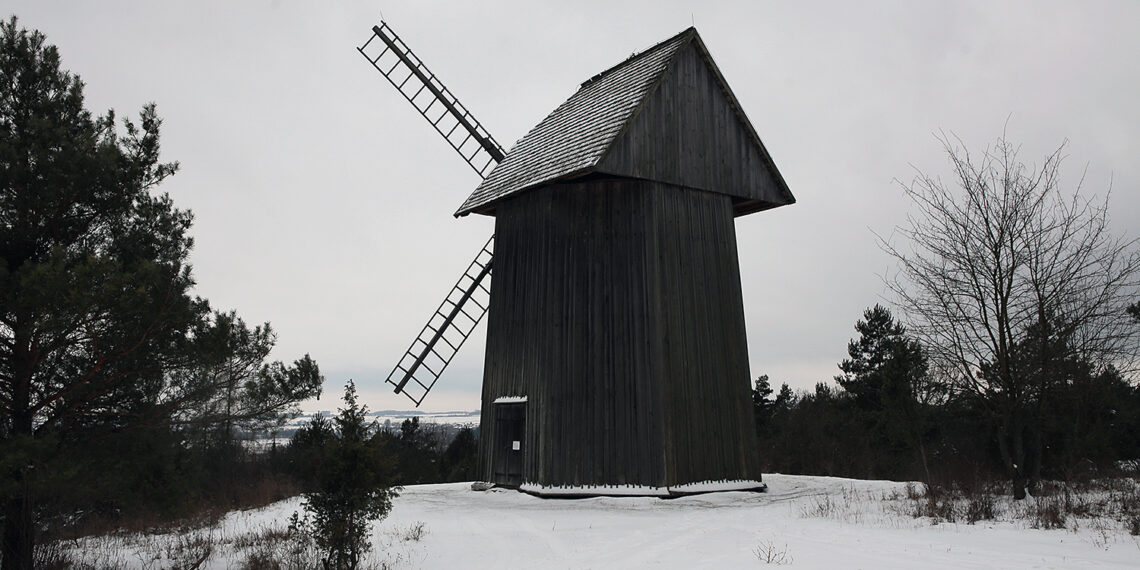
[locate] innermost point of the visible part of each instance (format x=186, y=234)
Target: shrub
x=980, y=506
x=1049, y=513
x=352, y=490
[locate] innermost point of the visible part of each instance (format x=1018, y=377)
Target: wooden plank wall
x=687, y=133
x=708, y=404
x=616, y=310
x=566, y=327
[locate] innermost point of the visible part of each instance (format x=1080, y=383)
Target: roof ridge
x=690, y=31
x=575, y=138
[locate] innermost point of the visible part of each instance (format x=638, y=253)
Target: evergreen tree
x=1070, y=410
x=762, y=405
x=459, y=459
x=309, y=448
x=886, y=377
x=785, y=399
x=417, y=454
x=353, y=489
x=819, y=434
x=99, y=331
x=885, y=366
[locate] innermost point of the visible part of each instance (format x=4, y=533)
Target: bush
x=352, y=490
x=979, y=507
x=1049, y=513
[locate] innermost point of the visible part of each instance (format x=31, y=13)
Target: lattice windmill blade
x=396, y=62
x=466, y=304
x=446, y=330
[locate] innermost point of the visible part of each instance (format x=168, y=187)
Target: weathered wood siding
x=566, y=327
x=688, y=133
x=616, y=309
x=708, y=405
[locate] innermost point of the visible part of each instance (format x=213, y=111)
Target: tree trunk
x=925, y=466
x=1011, y=445
x=1035, y=458
x=1018, y=468
x=19, y=529
x=19, y=540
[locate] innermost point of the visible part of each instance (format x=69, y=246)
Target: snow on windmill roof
x=647, y=117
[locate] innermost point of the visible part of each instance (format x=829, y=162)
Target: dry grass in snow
x=801, y=522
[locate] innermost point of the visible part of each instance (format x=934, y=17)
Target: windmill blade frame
x=432, y=99
x=446, y=331
x=466, y=303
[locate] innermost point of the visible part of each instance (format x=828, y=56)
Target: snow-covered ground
x=803, y=522
x=459, y=418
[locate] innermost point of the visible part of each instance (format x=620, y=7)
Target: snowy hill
x=457, y=417
x=804, y=522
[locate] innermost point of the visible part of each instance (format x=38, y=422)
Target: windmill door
x=510, y=431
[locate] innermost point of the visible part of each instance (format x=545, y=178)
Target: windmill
x=616, y=359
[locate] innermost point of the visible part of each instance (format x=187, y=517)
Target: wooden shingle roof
x=586, y=134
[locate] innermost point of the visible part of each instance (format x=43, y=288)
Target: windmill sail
x=463, y=308
x=446, y=330
x=395, y=61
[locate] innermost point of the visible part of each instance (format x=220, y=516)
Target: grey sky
x=323, y=201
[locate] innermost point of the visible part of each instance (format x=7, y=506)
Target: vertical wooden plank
x=621, y=320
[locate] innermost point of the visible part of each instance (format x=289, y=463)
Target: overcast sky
x=323, y=202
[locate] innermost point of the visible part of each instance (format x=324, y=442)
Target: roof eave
x=488, y=208
x=745, y=207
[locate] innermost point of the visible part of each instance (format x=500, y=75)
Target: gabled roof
x=585, y=135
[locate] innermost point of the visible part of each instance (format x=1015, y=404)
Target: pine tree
x=99, y=331
x=762, y=406
x=459, y=459
x=416, y=451
x=352, y=490
x=886, y=377
x=785, y=399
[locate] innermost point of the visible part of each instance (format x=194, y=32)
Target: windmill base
x=569, y=492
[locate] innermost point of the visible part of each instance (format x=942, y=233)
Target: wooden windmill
x=616, y=355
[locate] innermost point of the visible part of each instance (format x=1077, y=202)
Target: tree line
x=887, y=416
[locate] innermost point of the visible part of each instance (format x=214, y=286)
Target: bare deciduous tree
x=1000, y=260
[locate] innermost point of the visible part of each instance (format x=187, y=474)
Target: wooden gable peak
x=665, y=114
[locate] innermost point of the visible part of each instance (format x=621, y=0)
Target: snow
x=608, y=490
x=717, y=486
x=809, y=522
x=641, y=490
x=510, y=400
x=458, y=418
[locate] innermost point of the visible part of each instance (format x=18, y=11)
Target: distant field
x=390, y=420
